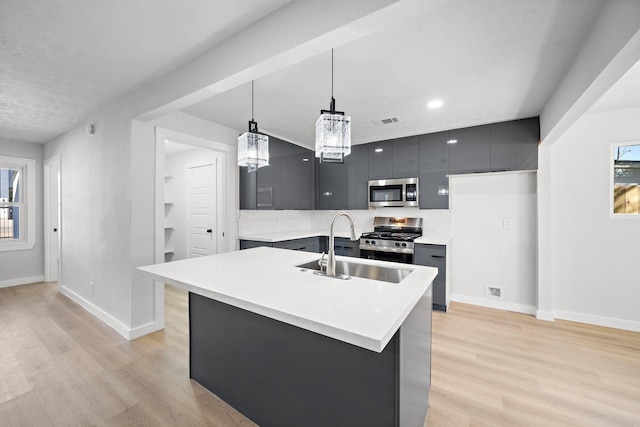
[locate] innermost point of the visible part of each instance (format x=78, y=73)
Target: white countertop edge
x=322, y=329
x=376, y=342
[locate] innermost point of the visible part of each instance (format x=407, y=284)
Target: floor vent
x=493, y=292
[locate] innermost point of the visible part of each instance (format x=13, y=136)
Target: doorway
x=52, y=231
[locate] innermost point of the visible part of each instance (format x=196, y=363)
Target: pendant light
x=333, y=131
x=253, y=147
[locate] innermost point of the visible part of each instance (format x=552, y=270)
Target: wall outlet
x=493, y=292
x=507, y=223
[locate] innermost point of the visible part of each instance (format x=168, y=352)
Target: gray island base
x=288, y=348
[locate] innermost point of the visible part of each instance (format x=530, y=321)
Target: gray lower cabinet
x=309, y=244
x=435, y=256
x=347, y=247
x=434, y=170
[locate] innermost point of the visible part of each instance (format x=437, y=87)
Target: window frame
x=612, y=148
x=28, y=208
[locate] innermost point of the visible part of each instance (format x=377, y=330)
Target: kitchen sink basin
x=346, y=269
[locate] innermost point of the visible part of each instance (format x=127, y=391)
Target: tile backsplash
x=436, y=221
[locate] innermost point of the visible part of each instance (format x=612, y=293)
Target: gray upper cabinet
x=380, y=159
x=434, y=170
x=357, y=166
x=406, y=153
x=514, y=145
x=331, y=189
x=472, y=151
x=287, y=183
x=247, y=189
x=298, y=184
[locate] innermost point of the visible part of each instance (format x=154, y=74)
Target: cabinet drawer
x=310, y=244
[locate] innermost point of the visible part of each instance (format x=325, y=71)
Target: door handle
x=55, y=230
x=209, y=230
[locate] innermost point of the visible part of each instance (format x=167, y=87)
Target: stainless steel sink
x=346, y=269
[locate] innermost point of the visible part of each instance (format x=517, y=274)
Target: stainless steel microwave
x=398, y=192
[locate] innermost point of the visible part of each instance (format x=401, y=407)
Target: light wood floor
x=60, y=366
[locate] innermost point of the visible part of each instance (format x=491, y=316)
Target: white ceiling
x=63, y=61
x=489, y=61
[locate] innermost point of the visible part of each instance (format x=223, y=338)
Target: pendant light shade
x=253, y=147
x=333, y=131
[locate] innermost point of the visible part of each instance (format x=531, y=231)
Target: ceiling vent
x=388, y=121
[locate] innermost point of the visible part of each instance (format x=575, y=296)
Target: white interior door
x=201, y=193
x=52, y=220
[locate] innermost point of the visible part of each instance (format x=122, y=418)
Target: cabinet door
x=270, y=194
x=357, y=165
x=435, y=256
x=331, y=189
x=298, y=183
x=472, y=151
x=248, y=244
x=347, y=247
x=247, y=188
x=434, y=170
x=514, y=145
x=405, y=155
x=380, y=159
x=309, y=244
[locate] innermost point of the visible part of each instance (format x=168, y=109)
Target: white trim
x=116, y=324
x=52, y=268
x=545, y=315
x=492, y=303
x=591, y=319
x=21, y=281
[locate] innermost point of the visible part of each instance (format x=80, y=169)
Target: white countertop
x=425, y=239
x=264, y=280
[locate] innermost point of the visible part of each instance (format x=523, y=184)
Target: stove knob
x=373, y=242
x=366, y=241
x=404, y=245
x=397, y=244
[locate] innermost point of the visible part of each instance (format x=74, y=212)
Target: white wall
x=483, y=251
x=26, y=266
x=594, y=267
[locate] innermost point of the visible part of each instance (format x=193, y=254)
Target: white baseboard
x=591, y=319
x=117, y=325
x=491, y=303
x=545, y=315
x=21, y=281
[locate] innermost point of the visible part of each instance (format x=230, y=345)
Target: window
x=17, y=203
x=626, y=180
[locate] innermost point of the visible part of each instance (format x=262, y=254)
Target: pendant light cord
x=331, y=72
x=252, y=101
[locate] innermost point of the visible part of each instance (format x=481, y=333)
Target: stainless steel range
x=392, y=239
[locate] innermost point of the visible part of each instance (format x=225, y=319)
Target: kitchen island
x=287, y=347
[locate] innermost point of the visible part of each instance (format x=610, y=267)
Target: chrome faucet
x=331, y=260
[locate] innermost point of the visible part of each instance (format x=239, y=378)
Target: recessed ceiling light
x=452, y=141
x=436, y=103
x=305, y=160
x=378, y=150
